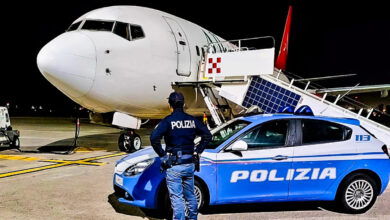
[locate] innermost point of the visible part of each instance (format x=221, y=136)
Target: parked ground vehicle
x=271, y=158
x=8, y=137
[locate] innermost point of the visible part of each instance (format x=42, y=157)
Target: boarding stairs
x=245, y=76
x=322, y=106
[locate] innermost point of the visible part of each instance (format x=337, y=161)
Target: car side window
x=319, y=131
x=225, y=132
x=268, y=135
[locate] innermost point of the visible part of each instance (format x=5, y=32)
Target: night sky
x=327, y=38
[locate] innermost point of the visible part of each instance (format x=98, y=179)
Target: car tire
x=199, y=192
x=357, y=193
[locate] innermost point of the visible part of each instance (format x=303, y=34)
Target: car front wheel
x=357, y=193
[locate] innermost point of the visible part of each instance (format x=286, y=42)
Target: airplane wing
x=384, y=88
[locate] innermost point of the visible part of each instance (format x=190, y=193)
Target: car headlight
x=138, y=167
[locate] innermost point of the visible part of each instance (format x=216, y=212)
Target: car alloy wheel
x=359, y=194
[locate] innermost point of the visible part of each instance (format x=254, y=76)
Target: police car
x=271, y=158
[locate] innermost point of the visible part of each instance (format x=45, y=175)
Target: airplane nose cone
x=69, y=63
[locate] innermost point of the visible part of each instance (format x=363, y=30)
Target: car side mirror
x=239, y=146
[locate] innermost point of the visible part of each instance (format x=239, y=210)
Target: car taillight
x=384, y=148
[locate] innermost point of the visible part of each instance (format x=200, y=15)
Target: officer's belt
x=184, y=159
x=181, y=155
x=185, y=149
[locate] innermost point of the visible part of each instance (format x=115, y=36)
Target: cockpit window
x=136, y=32
x=98, y=25
x=74, y=26
x=122, y=29
x=127, y=31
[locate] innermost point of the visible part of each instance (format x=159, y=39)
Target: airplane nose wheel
x=129, y=142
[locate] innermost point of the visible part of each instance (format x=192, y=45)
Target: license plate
x=119, y=180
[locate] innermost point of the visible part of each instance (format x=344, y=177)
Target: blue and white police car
x=271, y=158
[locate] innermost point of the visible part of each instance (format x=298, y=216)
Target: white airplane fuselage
x=105, y=72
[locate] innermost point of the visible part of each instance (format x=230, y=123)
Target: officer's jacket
x=179, y=131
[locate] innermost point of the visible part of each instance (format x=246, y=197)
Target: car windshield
x=224, y=132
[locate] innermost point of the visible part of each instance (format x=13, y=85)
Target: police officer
x=179, y=131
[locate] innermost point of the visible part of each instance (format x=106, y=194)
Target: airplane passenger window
x=98, y=25
x=74, y=26
x=122, y=29
x=197, y=50
x=136, y=32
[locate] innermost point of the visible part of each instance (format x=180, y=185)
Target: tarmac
x=43, y=182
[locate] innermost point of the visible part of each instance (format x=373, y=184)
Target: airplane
x=124, y=60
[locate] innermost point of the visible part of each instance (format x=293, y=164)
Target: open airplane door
x=183, y=49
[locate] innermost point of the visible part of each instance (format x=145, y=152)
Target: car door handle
x=280, y=157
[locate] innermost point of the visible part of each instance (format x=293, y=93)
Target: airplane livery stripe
x=368, y=155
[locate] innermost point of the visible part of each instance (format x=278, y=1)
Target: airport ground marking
x=77, y=162
x=88, y=149
x=17, y=157
x=61, y=163
x=14, y=173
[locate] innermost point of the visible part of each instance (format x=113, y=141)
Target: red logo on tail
x=281, y=61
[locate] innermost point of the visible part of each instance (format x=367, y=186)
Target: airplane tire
x=129, y=143
x=136, y=142
x=15, y=143
x=122, y=143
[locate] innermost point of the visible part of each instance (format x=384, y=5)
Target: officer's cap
x=176, y=97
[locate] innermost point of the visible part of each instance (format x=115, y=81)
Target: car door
x=260, y=172
x=323, y=155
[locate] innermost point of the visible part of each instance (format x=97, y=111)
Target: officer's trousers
x=180, y=183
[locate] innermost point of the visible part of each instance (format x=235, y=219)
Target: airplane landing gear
x=129, y=141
